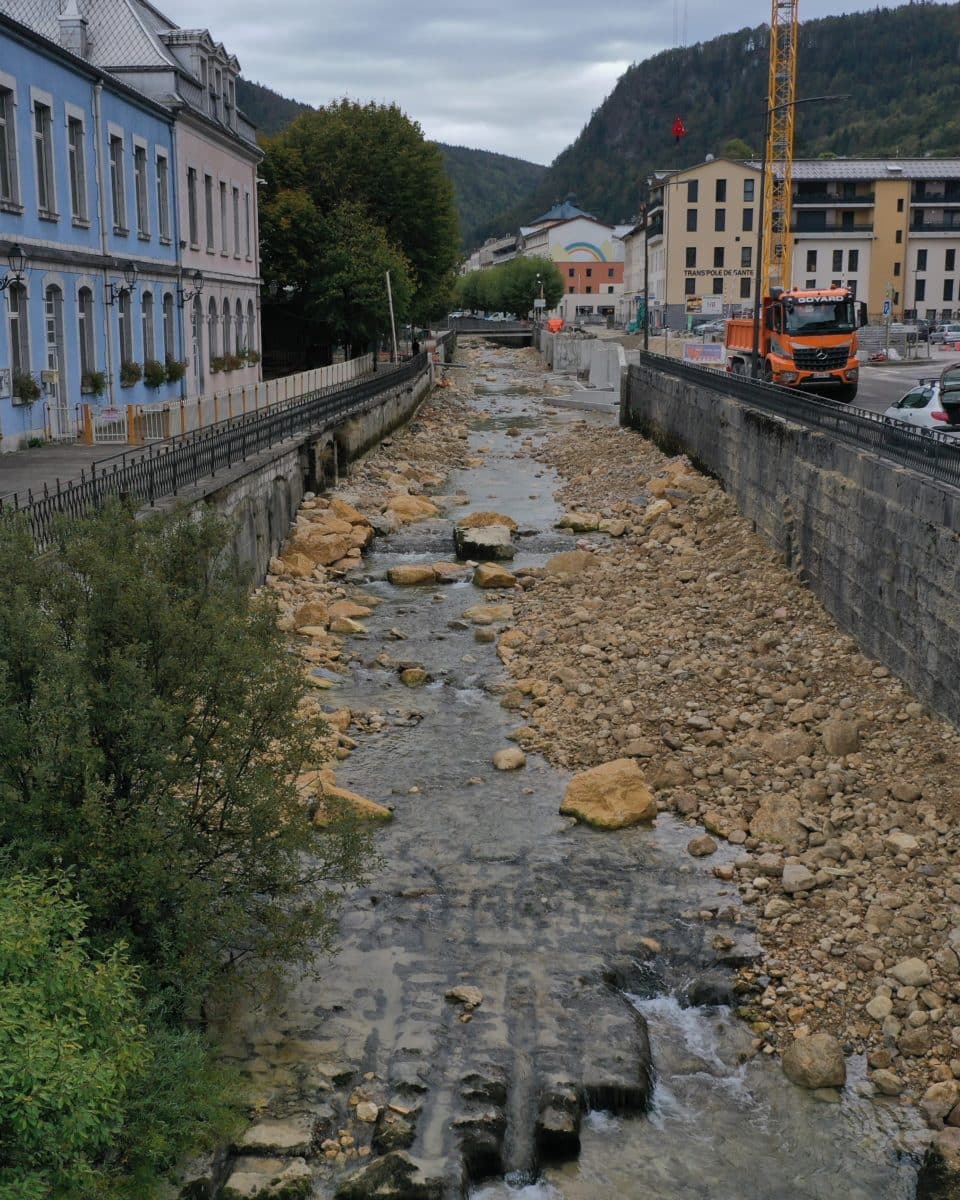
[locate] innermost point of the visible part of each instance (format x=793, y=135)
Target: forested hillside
x=485, y=183
x=899, y=68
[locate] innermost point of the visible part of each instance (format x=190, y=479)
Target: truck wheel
x=766, y=373
x=846, y=393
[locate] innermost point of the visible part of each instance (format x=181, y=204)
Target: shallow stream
x=483, y=883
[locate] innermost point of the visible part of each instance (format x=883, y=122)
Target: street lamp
x=183, y=296
x=759, y=283
x=115, y=290
x=17, y=261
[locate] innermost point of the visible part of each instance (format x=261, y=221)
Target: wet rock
x=480, y=520
x=268, y=1179
x=579, y=522
x=510, y=759
x=395, y=1130
x=291, y=1136
x=938, y=1101
x=411, y=508
x=394, y=1176
x=491, y=575
x=367, y=1112
x=557, y=1132
x=489, y=614
x=485, y=543
x=467, y=995
x=700, y=847
x=413, y=677
x=887, y=1082
x=840, y=737
x=815, y=1062
x=330, y=799
x=481, y=1132
x=346, y=627
x=449, y=572
x=613, y=795
x=411, y=575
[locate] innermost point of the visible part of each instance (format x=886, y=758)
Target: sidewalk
x=25, y=470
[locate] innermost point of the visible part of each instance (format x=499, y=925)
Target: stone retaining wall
x=263, y=494
x=877, y=543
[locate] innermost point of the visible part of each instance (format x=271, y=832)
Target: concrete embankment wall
x=597, y=361
x=877, y=543
x=263, y=494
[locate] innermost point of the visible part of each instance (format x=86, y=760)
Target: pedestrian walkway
x=26, y=471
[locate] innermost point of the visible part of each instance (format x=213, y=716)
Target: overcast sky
x=508, y=75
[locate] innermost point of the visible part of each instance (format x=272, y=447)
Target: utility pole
x=393, y=323
x=646, y=286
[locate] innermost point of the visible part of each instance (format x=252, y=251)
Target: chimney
x=73, y=30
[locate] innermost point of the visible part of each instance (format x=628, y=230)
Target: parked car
x=948, y=332
x=499, y=316
x=711, y=328
x=918, y=330
x=922, y=406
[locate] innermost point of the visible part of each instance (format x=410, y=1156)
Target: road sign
x=538, y=303
x=886, y=308
x=712, y=305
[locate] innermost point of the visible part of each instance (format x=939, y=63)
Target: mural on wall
x=583, y=252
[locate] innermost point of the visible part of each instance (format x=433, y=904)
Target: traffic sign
x=886, y=308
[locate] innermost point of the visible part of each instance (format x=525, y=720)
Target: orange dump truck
x=808, y=340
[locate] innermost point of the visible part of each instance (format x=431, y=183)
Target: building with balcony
x=88, y=237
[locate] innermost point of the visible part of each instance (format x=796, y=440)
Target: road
x=883, y=385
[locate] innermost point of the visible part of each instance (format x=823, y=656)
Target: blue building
x=89, y=243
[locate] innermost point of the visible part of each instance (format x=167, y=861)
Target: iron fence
x=141, y=478
x=935, y=454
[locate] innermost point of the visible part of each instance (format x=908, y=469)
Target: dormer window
x=218, y=95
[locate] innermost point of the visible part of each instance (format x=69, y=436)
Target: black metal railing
x=935, y=454
x=164, y=469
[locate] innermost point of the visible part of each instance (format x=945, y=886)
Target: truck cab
x=807, y=340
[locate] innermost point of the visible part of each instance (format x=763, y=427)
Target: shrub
x=176, y=369
x=130, y=373
x=217, y=364
x=154, y=373
x=232, y=362
x=94, y=382
x=26, y=387
x=252, y=357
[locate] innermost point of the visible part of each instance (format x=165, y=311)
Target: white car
x=946, y=334
x=921, y=406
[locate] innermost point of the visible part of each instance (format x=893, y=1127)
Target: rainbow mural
x=586, y=248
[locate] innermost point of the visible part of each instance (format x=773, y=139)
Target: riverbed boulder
x=509, y=759
x=479, y=520
x=580, y=522
x=450, y=572
x=411, y=575
x=571, y=562
x=777, y=820
x=840, y=736
x=294, y=564
x=488, y=542
x=281, y=1136
x=489, y=614
x=815, y=1061
x=321, y=548
x=394, y=1176
x=346, y=512
x=492, y=575
x=258, y=1178
x=411, y=508
x=613, y=795
x=328, y=797
x=313, y=613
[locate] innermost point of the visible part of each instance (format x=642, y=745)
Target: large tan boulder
x=613, y=795
x=329, y=797
x=411, y=508
x=492, y=575
x=321, y=548
x=326, y=522
x=314, y=612
x=411, y=575
x=840, y=736
x=295, y=564
x=478, y=520
x=777, y=820
x=571, y=562
x=346, y=512
x=347, y=608
x=579, y=522
x=489, y=614
x=450, y=572
x=815, y=1062
x=361, y=536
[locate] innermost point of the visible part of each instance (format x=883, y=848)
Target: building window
x=950, y=260
x=718, y=256
x=920, y=289
x=88, y=358
x=811, y=283
x=900, y=204
x=718, y=285
x=691, y=256
x=837, y=260
x=719, y=220
x=748, y=190
x=899, y=238
x=18, y=315
x=9, y=191
x=169, y=346
x=747, y=220
x=921, y=260
x=948, y=289
x=140, y=190
x=570, y=272
x=852, y=288
x=811, y=261
x=589, y=272
x=609, y=272
x=224, y=219
x=228, y=346
x=43, y=145
x=236, y=222
x=896, y=268
x=745, y=284
x=690, y=287
x=242, y=346
x=192, y=219
x=571, y=290
x=213, y=340
x=78, y=170
x=146, y=321
x=853, y=260
x=588, y=289
x=124, y=317
x=693, y=191
x=251, y=326
x=834, y=283
x=691, y=220
x=721, y=191
x=117, y=189
x=746, y=256
x=610, y=288
x=208, y=209
x=248, y=224
x=163, y=198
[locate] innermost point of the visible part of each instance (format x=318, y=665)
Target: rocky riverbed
x=492, y=1010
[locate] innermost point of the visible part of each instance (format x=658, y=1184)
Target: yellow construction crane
x=778, y=155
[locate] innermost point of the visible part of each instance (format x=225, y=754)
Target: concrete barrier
x=878, y=543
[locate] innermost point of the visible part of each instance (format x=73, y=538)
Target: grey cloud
x=518, y=78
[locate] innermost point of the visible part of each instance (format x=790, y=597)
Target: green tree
x=72, y=1045
x=374, y=157
x=150, y=739
x=738, y=149
x=511, y=287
